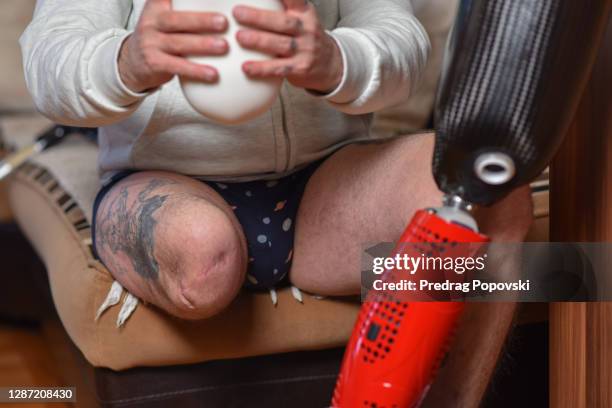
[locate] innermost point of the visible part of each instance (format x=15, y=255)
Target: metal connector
x=456, y=210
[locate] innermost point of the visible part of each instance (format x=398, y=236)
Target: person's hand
x=304, y=53
x=155, y=52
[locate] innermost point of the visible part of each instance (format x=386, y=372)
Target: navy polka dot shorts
x=267, y=211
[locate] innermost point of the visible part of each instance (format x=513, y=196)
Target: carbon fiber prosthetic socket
x=512, y=79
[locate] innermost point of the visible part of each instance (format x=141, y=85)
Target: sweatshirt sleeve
x=384, y=49
x=70, y=52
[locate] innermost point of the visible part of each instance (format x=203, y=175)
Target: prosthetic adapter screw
x=456, y=210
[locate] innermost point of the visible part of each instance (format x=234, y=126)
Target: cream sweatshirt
x=70, y=52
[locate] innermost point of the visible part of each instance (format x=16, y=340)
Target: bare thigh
x=367, y=193
x=173, y=242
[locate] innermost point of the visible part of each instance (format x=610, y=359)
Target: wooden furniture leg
x=581, y=210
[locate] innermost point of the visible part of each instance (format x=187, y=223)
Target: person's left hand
x=304, y=53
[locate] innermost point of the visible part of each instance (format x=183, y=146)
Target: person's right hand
x=155, y=52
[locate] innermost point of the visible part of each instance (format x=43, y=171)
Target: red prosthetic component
x=396, y=347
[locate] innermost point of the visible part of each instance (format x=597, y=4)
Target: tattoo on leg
x=131, y=228
x=143, y=257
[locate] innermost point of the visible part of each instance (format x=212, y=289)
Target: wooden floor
x=25, y=360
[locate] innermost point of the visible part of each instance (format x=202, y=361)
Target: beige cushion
x=59, y=230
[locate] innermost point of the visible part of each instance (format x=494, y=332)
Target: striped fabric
x=61, y=198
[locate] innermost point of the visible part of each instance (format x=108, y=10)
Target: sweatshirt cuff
x=106, y=82
x=357, y=75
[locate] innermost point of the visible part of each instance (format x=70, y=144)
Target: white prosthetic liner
x=235, y=98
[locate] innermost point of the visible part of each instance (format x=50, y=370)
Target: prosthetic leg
x=396, y=346
x=513, y=75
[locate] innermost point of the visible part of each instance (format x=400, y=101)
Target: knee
x=327, y=275
x=202, y=260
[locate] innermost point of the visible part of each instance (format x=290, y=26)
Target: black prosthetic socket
x=512, y=79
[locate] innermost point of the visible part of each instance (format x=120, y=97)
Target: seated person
x=190, y=211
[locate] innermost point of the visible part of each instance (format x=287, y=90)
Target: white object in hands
x=235, y=98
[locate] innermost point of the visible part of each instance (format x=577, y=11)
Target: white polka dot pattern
x=287, y=224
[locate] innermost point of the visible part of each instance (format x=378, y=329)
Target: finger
x=193, y=44
x=173, y=65
x=277, y=68
x=268, y=43
x=267, y=20
x=295, y=4
x=191, y=22
x=158, y=5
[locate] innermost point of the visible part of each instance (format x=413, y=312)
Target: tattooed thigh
x=126, y=223
x=172, y=241
x=126, y=235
